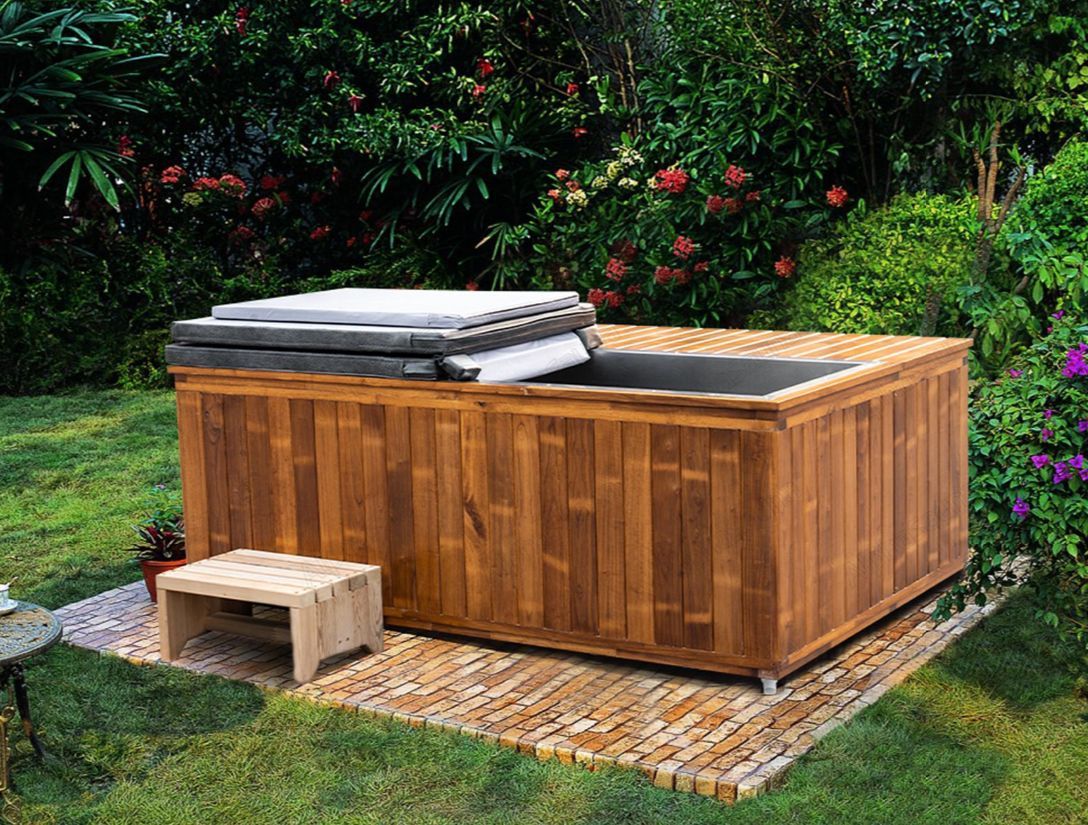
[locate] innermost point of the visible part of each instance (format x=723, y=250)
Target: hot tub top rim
x=894, y=356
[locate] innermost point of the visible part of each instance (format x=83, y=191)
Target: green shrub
x=874, y=271
x=1029, y=475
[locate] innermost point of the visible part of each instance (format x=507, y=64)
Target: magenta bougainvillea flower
x=1082, y=425
x=1048, y=414
x=1015, y=373
x=1040, y=460
x=1075, y=363
x=1057, y=316
x=1046, y=434
x=1062, y=472
x=1020, y=509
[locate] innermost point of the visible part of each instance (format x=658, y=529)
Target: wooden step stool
x=335, y=606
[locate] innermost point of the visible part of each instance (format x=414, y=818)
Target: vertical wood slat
x=583, y=531
x=865, y=484
x=528, y=525
x=475, y=515
x=944, y=480
x=667, y=534
x=215, y=459
x=501, y=536
x=695, y=537
x=194, y=490
x=259, y=459
x=285, y=499
x=398, y=468
x=899, y=485
x=304, y=459
x=934, y=471
x=824, y=543
x=421, y=424
x=328, y=473
x=758, y=476
x=372, y=454
x=638, y=532
x=609, y=518
x=451, y=516
x=554, y=512
x=958, y=498
x=727, y=519
x=353, y=494
x=236, y=453
x=850, y=513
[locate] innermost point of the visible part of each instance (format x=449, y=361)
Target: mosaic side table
x=25, y=632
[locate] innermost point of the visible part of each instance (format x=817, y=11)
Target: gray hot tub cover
x=370, y=338
x=433, y=308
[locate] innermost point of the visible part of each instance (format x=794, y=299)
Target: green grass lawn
x=991, y=732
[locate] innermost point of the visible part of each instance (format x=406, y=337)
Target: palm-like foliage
x=58, y=82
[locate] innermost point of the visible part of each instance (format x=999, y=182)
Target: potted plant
x=162, y=537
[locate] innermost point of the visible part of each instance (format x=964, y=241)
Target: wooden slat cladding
x=686, y=541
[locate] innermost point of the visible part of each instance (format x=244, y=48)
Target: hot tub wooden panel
x=733, y=534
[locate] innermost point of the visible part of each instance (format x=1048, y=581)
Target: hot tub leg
x=770, y=685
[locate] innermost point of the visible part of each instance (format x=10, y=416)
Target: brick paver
x=689, y=731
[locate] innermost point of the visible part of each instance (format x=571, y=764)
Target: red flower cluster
x=124, y=147
x=320, y=233
x=232, y=185
x=270, y=182
x=624, y=250
x=753, y=196
x=573, y=186
x=785, y=266
x=472, y=286
x=634, y=289
x=615, y=269
x=205, y=184
x=579, y=132
x=837, y=197
x=241, y=234
x=715, y=204
x=262, y=207
x=573, y=89
x=664, y=274
x=172, y=175
x=241, y=20
x=478, y=90
x=484, y=68
x=555, y=195
x=673, y=180
x=595, y=296
x=330, y=80
x=355, y=103
x=562, y=174
x=735, y=177
x=701, y=266
x=682, y=247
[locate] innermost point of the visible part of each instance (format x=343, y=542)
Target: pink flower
x=330, y=80
x=735, y=177
x=682, y=247
x=172, y=175
x=1040, y=460
x=355, y=103
x=1015, y=373
x=562, y=174
x=573, y=186
x=478, y=90
x=555, y=195
x=320, y=233
x=674, y=180
x=1020, y=509
x=836, y=197
x=785, y=266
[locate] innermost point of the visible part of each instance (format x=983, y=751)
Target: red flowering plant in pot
x=162, y=537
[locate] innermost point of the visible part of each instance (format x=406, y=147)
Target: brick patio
x=717, y=736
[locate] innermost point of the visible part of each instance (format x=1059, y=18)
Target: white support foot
x=770, y=686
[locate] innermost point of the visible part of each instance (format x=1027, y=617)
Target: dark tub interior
x=682, y=372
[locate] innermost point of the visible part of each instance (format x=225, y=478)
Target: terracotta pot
x=151, y=569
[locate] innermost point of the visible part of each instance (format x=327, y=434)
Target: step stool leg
x=304, y=645
x=368, y=613
x=181, y=617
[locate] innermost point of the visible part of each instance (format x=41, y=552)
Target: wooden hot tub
x=739, y=514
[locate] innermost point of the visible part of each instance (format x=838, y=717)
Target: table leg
x=22, y=702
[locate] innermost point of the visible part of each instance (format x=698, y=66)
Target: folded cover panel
x=520, y=362
x=336, y=363
x=380, y=339
x=432, y=308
